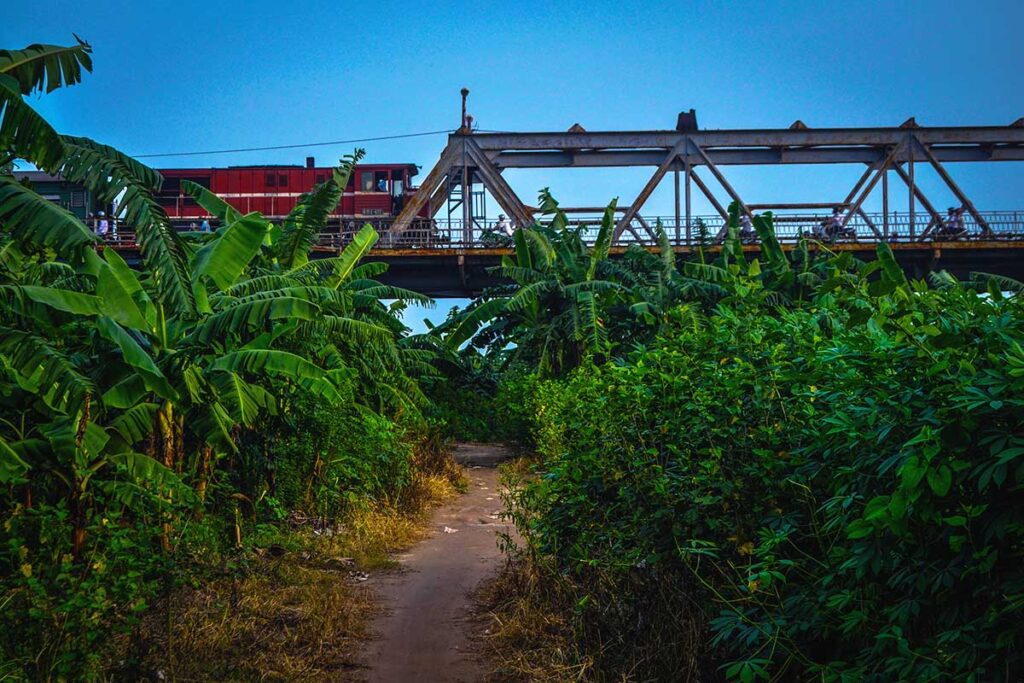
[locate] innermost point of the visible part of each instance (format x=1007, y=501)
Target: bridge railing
x=702, y=230
x=865, y=227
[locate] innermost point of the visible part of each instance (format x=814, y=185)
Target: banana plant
x=360, y=333
x=148, y=370
x=556, y=312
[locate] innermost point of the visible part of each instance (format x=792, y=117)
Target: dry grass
x=528, y=638
x=528, y=635
x=371, y=535
x=606, y=627
x=290, y=619
x=300, y=616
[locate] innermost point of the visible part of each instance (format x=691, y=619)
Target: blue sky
x=177, y=76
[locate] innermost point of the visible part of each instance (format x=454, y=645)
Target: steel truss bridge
x=448, y=253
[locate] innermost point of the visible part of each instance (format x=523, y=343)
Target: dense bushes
x=321, y=459
x=837, y=487
x=158, y=421
x=798, y=467
x=62, y=620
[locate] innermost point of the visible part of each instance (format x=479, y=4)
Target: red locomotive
x=375, y=192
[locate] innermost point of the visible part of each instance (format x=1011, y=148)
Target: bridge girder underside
x=466, y=273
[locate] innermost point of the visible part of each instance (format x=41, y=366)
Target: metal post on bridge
x=675, y=172
x=910, y=174
x=885, y=205
x=467, y=203
x=689, y=229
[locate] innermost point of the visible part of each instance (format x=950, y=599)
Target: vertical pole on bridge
x=686, y=165
x=913, y=196
x=675, y=171
x=467, y=202
x=885, y=205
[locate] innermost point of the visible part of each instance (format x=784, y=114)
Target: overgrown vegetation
x=793, y=467
x=189, y=422
x=797, y=466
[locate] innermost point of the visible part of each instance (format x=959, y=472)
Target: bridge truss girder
x=483, y=156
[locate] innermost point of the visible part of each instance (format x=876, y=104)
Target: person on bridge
x=835, y=222
x=954, y=222
x=505, y=225
x=103, y=226
x=828, y=229
x=747, y=232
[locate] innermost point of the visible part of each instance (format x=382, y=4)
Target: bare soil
x=426, y=627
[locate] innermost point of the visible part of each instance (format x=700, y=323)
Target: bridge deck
x=444, y=260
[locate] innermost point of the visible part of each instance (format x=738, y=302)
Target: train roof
x=287, y=167
x=38, y=176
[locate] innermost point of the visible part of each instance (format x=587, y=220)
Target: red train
x=375, y=192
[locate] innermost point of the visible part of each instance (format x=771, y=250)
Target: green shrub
x=837, y=487
x=321, y=458
x=62, y=619
x=479, y=403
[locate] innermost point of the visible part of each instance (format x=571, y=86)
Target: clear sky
x=186, y=75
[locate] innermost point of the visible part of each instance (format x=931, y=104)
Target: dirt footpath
x=424, y=628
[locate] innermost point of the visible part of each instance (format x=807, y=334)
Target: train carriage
x=375, y=192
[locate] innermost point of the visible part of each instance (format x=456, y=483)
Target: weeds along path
x=424, y=630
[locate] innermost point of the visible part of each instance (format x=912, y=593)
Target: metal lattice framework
x=472, y=158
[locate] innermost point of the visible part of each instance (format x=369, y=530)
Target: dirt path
x=424, y=629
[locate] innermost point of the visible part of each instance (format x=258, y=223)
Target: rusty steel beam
x=964, y=200
x=709, y=194
x=868, y=222
x=405, y=217
x=745, y=157
x=438, y=198
x=857, y=187
x=493, y=181
x=870, y=185
x=913, y=186
x=785, y=137
x=936, y=217
x=652, y=183
x=721, y=180
x=860, y=183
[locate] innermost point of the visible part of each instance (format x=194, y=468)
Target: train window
x=381, y=181
x=366, y=181
x=282, y=180
x=397, y=183
x=271, y=179
x=171, y=186
x=203, y=180
x=77, y=199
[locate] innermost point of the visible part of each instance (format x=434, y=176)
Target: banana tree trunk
x=75, y=504
x=205, y=457
x=77, y=510
x=165, y=423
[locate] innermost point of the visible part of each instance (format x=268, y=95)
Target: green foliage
x=477, y=399
x=152, y=417
x=60, y=621
x=322, y=459
x=836, y=485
